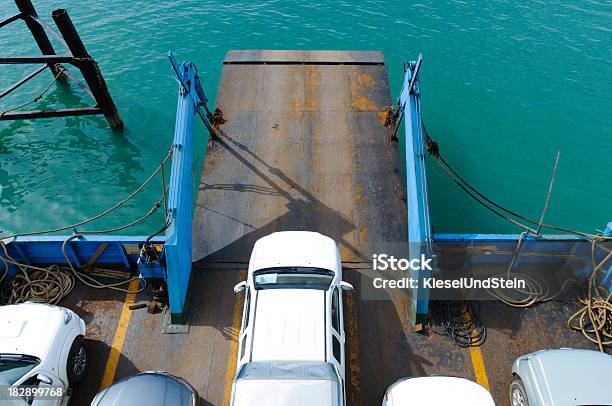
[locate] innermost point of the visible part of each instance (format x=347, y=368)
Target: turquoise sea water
x=504, y=83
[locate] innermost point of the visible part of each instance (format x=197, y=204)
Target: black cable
x=458, y=319
x=467, y=187
x=161, y=230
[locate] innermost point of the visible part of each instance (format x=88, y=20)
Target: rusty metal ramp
x=303, y=148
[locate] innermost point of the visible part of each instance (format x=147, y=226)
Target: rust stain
x=359, y=193
x=313, y=83
x=312, y=75
x=362, y=103
x=297, y=104
x=364, y=79
x=382, y=117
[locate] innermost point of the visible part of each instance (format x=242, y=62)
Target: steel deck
x=303, y=148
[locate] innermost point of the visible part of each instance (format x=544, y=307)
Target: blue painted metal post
x=177, y=249
x=419, y=226
x=608, y=231
x=607, y=279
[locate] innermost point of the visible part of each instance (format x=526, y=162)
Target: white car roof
x=289, y=325
x=28, y=328
x=295, y=248
x=438, y=391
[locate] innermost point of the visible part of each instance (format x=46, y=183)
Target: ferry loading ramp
x=303, y=148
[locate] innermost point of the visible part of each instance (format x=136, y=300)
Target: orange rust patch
x=362, y=103
x=382, y=117
x=312, y=75
x=358, y=193
x=297, y=105
x=312, y=87
x=365, y=80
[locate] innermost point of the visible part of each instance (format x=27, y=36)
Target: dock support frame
x=77, y=56
x=29, y=15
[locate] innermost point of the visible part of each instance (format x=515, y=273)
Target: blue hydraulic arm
x=419, y=225
x=179, y=216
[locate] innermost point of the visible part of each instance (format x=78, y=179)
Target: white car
x=291, y=343
x=562, y=376
x=436, y=391
x=41, y=346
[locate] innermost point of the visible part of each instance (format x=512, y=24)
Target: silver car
x=562, y=377
x=148, y=388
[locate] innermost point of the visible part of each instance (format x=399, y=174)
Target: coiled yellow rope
x=594, y=319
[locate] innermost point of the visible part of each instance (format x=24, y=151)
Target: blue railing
x=177, y=249
x=419, y=225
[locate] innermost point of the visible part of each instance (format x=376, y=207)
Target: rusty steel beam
x=89, y=68
x=48, y=59
x=9, y=20
x=28, y=114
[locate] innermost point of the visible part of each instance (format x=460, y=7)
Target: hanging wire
x=51, y=284
x=37, y=98
x=432, y=147
x=103, y=213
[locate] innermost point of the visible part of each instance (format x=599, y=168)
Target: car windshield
x=288, y=370
x=13, y=367
x=293, y=277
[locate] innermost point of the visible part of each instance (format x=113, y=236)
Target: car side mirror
x=240, y=287
x=345, y=286
x=43, y=378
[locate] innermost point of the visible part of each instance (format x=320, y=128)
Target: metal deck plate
x=303, y=148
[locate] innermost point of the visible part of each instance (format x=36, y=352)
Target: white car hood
x=28, y=328
x=295, y=248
